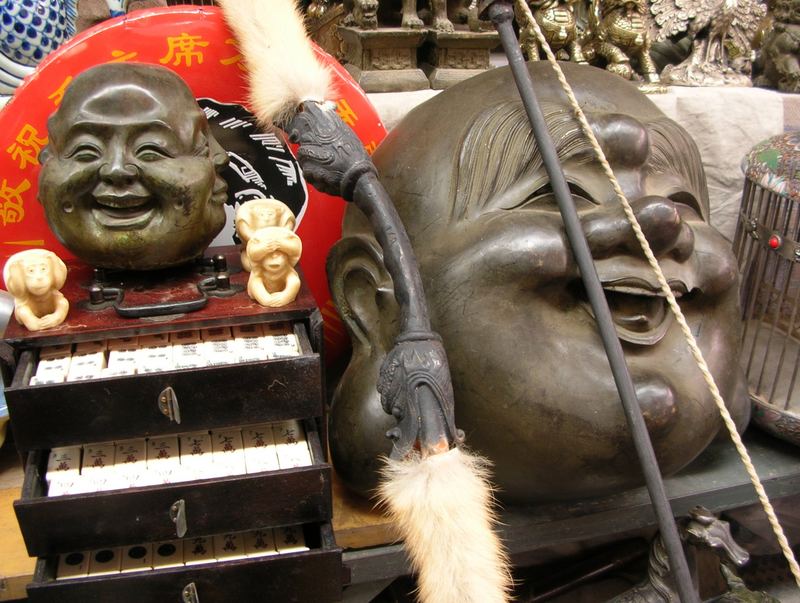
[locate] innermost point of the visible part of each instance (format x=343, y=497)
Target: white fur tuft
x=443, y=508
x=283, y=69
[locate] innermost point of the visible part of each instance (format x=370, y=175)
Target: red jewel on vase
x=774, y=242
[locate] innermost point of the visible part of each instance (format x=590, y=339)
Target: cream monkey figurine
x=34, y=277
x=260, y=213
x=272, y=253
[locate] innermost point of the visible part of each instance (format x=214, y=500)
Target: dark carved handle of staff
x=414, y=381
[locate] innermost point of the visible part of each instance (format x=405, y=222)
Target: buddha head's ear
x=45, y=154
x=363, y=293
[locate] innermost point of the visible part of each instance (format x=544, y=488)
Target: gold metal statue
x=366, y=14
x=779, y=61
x=621, y=35
x=557, y=20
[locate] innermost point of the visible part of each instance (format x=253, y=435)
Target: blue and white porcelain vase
x=29, y=30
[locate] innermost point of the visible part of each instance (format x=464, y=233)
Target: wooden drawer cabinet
x=52, y=525
x=46, y=416
x=163, y=404
x=312, y=576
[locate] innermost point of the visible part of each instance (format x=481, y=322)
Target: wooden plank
x=357, y=523
x=66, y=414
x=16, y=568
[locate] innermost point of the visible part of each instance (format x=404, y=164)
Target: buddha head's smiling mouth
x=129, y=209
x=639, y=309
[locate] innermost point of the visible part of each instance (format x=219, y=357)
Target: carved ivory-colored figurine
x=272, y=253
x=34, y=277
x=533, y=388
x=131, y=177
x=257, y=214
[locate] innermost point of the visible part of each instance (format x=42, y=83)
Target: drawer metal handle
x=177, y=513
x=189, y=594
x=168, y=404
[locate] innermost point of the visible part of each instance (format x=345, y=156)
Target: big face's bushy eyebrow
x=499, y=151
x=672, y=151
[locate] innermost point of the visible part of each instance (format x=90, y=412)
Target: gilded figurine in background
x=557, y=20
x=365, y=13
x=257, y=214
x=621, y=34
x=722, y=32
x=778, y=63
x=34, y=277
x=272, y=253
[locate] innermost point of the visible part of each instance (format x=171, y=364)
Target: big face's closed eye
x=687, y=204
x=155, y=143
x=544, y=199
x=84, y=149
x=152, y=151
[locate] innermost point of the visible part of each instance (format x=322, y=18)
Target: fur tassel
x=283, y=69
x=443, y=508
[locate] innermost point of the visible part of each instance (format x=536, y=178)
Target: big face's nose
x=118, y=168
x=626, y=144
x=609, y=232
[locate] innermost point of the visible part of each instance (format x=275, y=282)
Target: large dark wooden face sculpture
x=130, y=178
x=533, y=388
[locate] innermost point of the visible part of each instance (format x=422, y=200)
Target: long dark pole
x=501, y=13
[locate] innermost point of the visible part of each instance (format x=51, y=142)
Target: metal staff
x=501, y=13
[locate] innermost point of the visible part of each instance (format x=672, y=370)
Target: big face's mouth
x=639, y=309
x=130, y=210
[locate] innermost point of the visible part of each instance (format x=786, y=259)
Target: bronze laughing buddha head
x=131, y=176
x=533, y=388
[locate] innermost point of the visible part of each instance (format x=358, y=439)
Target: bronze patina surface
x=533, y=389
x=131, y=176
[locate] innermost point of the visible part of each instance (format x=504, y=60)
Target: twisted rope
x=524, y=9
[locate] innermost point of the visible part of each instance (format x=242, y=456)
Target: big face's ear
x=45, y=154
x=58, y=270
x=363, y=293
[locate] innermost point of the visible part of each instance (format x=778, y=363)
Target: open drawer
x=107, y=409
x=310, y=575
x=59, y=524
